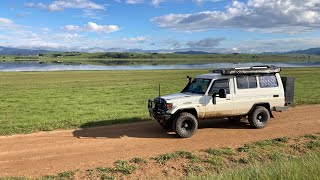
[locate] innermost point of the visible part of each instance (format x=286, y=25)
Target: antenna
x=159, y=93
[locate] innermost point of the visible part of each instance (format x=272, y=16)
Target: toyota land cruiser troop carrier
x=236, y=93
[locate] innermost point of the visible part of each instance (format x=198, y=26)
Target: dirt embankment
x=44, y=153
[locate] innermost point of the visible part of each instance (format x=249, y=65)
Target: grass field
x=155, y=59
x=43, y=101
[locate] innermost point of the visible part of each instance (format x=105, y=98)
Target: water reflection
x=18, y=67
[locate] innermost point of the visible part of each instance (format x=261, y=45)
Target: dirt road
x=44, y=153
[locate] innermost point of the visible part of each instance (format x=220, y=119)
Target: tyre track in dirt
x=44, y=153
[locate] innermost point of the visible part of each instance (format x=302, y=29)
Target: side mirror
x=222, y=93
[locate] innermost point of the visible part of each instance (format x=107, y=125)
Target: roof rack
x=248, y=70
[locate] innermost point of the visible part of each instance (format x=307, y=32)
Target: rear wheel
x=185, y=125
x=259, y=117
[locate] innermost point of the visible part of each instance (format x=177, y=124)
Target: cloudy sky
x=168, y=25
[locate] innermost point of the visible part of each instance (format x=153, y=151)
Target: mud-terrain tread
x=177, y=123
x=253, y=117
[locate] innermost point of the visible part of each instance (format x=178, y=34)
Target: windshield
x=198, y=86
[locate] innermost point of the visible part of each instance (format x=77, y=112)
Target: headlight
x=168, y=106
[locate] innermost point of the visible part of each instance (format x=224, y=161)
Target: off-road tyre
x=259, y=117
x=185, y=125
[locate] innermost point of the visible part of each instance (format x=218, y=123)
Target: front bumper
x=157, y=113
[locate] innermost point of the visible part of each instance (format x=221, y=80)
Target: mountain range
x=18, y=51
x=311, y=51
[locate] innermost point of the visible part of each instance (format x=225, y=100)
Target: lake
x=28, y=67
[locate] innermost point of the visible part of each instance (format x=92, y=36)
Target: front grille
x=160, y=105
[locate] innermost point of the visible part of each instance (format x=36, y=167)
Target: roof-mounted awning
x=248, y=70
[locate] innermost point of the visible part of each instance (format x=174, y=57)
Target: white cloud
x=153, y=2
x=266, y=15
x=134, y=1
x=5, y=21
x=8, y=24
x=92, y=27
x=72, y=28
x=139, y=39
x=45, y=29
x=157, y=2
x=202, y=1
x=60, y=5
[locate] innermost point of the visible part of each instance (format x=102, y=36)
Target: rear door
x=223, y=106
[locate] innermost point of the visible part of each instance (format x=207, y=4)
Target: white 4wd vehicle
x=237, y=93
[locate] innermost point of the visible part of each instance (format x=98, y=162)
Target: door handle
x=228, y=99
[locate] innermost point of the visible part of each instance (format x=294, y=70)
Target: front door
x=223, y=106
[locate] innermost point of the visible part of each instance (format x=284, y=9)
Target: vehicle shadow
x=223, y=123
x=134, y=128
x=145, y=129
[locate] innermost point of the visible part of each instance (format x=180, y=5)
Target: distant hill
x=17, y=51
x=311, y=51
x=193, y=52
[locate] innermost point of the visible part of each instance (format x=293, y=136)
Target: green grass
x=138, y=160
x=193, y=169
x=219, y=152
x=310, y=136
x=164, y=158
x=67, y=175
x=124, y=167
x=312, y=144
x=45, y=101
x=216, y=161
x=306, y=167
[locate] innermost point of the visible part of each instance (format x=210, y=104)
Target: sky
x=222, y=26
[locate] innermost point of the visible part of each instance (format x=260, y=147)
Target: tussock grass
x=306, y=167
x=218, y=152
x=138, y=160
x=124, y=167
x=164, y=158
x=67, y=175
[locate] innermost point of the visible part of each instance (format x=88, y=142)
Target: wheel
x=185, y=125
x=259, y=118
x=234, y=118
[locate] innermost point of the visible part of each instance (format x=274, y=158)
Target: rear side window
x=268, y=80
x=246, y=82
x=220, y=84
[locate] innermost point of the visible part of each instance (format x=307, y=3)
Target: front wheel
x=185, y=125
x=259, y=118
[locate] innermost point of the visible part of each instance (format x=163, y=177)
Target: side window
x=268, y=80
x=246, y=82
x=220, y=84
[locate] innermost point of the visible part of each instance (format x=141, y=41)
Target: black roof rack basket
x=248, y=70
